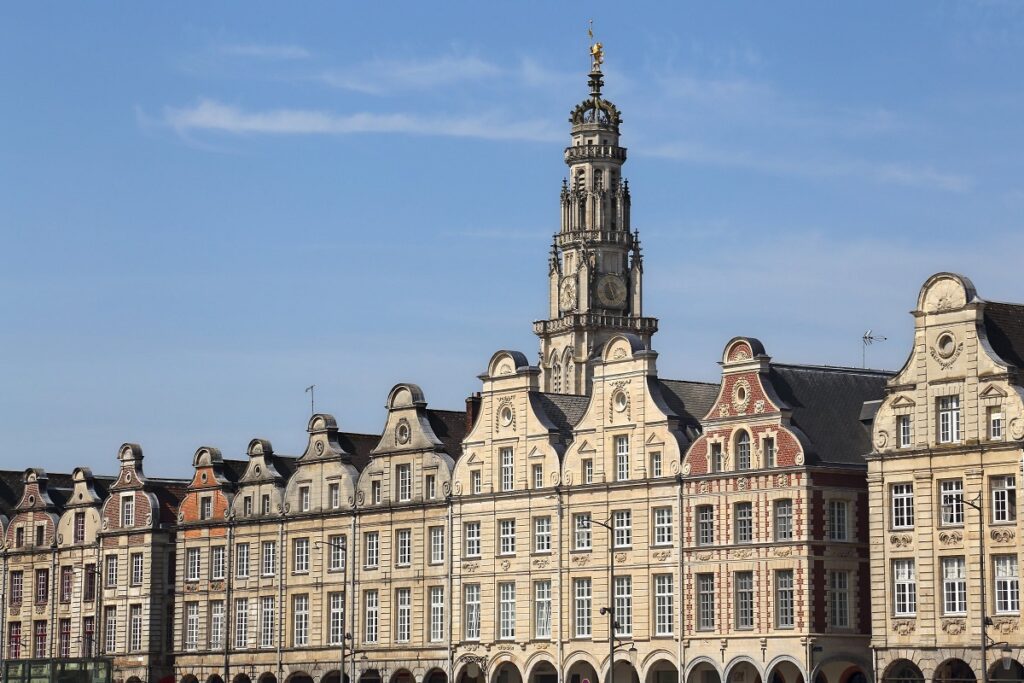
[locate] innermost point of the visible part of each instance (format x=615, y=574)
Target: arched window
x=556, y=377
x=570, y=372
x=743, y=451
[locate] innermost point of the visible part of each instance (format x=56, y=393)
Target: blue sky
x=204, y=209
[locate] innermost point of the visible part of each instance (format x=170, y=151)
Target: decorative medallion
x=541, y=563
x=881, y=439
x=661, y=555
x=781, y=481
x=946, y=350
x=901, y=540
x=1017, y=428
x=954, y=627
x=505, y=564
x=951, y=537
x=742, y=553
x=319, y=447
x=581, y=560
x=505, y=369
x=723, y=410
x=403, y=432
x=470, y=567
x=758, y=406
x=1002, y=535
x=904, y=627
x=620, y=557
x=741, y=395
x=704, y=486
x=1006, y=625
x=506, y=415
x=742, y=483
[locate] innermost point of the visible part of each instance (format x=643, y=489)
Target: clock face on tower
x=611, y=291
x=567, y=294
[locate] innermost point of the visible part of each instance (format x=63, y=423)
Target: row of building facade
x=581, y=518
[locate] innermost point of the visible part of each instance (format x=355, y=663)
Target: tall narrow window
x=743, y=451
x=40, y=640
x=995, y=423
x=582, y=538
x=507, y=529
x=335, y=612
x=1004, y=498
x=14, y=640
x=904, y=588
x=268, y=618
x=768, y=446
x=111, y=571
x=472, y=539
x=110, y=629
x=952, y=501
x=430, y=486
x=138, y=560
x=622, y=458
x=744, y=600
x=404, y=474
x=205, y=507
x=902, y=506
x=716, y=457
x=582, y=592
x=300, y=620
x=542, y=534
x=66, y=583
x=64, y=639
x=838, y=525
x=542, y=609
x=42, y=586
x=375, y=495
x=663, y=600
x=538, y=476
x=403, y=550
x=372, y=543
x=949, y=419
x=662, y=526
x=89, y=583
x=135, y=628
x=334, y=495
x=300, y=555
x=216, y=624
x=17, y=587
x=79, y=532
x=656, y=464
x=784, y=598
x=705, y=525
x=193, y=560
x=336, y=550
x=265, y=504
x=624, y=605
x=839, y=599
x=436, y=613
x=403, y=618
x=472, y=596
x=588, y=470
x=954, y=586
x=191, y=626
x=371, y=615
x=475, y=485
x=436, y=544
x=303, y=499
x=903, y=431
x=242, y=560
x=1007, y=584
x=744, y=522
x=241, y=623
x=128, y=510
x=623, y=525
x=507, y=469
x=507, y=610
x=268, y=558
x=705, y=602
x=783, y=520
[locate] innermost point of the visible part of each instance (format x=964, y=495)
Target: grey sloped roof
x=689, y=400
x=1004, y=327
x=564, y=410
x=359, y=447
x=234, y=469
x=827, y=405
x=450, y=427
x=10, y=491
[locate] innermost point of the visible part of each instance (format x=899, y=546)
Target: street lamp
x=613, y=625
x=340, y=545
x=977, y=505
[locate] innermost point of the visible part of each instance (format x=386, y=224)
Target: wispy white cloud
x=214, y=116
x=384, y=76
x=258, y=51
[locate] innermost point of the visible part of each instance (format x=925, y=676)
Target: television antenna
x=867, y=340
x=312, y=406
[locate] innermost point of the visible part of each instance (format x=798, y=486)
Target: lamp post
x=610, y=611
x=340, y=545
x=977, y=505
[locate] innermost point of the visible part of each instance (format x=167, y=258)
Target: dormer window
x=949, y=419
x=128, y=511
x=995, y=423
x=19, y=537
x=375, y=492
x=79, y=530
x=334, y=494
x=716, y=457
x=743, y=451
x=303, y=499
x=205, y=508
x=768, y=446
x=40, y=536
x=404, y=476
x=265, y=504
x=247, y=506
x=431, y=486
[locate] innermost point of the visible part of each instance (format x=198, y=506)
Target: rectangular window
x=138, y=564
x=784, y=598
x=242, y=560
x=743, y=451
x=436, y=544
x=403, y=619
x=300, y=620
x=507, y=610
x=66, y=583
x=904, y=588
x=335, y=616
x=265, y=504
x=371, y=615
x=79, y=533
x=624, y=605
x=472, y=594
x=430, y=487
x=475, y=486
x=14, y=640
x=372, y=542
x=268, y=619
x=110, y=629
x=949, y=419
x=436, y=613
x=744, y=522
x=902, y=506
x=135, y=628
x=705, y=602
x=472, y=539
x=216, y=624
x=663, y=526
x=744, y=600
x=1007, y=584
x=663, y=601
x=582, y=592
x=40, y=535
x=656, y=464
x=300, y=555
x=621, y=458
x=508, y=536
x=783, y=520
x=1004, y=498
x=334, y=495
x=42, y=586
x=128, y=510
x=538, y=476
x=336, y=553
x=542, y=609
x=17, y=587
x=111, y=571
x=375, y=495
x=954, y=585
x=303, y=499
x=903, y=431
x=191, y=626
x=193, y=562
x=403, y=547
x=952, y=501
x=241, y=623
x=582, y=537
x=247, y=506
x=839, y=599
x=19, y=537
x=623, y=525
x=995, y=423
x=705, y=525
x=542, y=534
x=64, y=642
x=268, y=558
x=89, y=583
x=588, y=471
x=404, y=476
x=40, y=640
x=507, y=469
x=716, y=457
x=838, y=526
x=768, y=446
x=205, y=507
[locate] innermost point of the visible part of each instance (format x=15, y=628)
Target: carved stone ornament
x=1017, y=428
x=881, y=439
x=759, y=406
x=1006, y=625
x=945, y=362
x=742, y=483
x=1002, y=535
x=782, y=552
x=901, y=540
x=799, y=459
x=319, y=447
x=470, y=567
x=954, y=627
x=541, y=646
x=505, y=564
x=742, y=554
x=581, y=560
x=457, y=487
x=781, y=481
x=402, y=432
x=541, y=563
x=505, y=416
x=951, y=537
x=741, y=395
x=703, y=557
x=620, y=557
x=661, y=555
x=723, y=410
x=704, y=487
x=686, y=468
x=505, y=647
x=904, y=627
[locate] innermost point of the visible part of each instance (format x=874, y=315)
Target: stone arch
x=624, y=671
x=435, y=675
x=267, y=677
x=903, y=671
x=298, y=677
x=215, y=678
x=702, y=670
x=468, y=670
x=402, y=676
x=842, y=668
x=954, y=670
x=332, y=676
x=659, y=667
x=242, y=678
x=507, y=363
x=582, y=666
x=541, y=668
x=784, y=669
x=189, y=678
x=506, y=671
x=134, y=679
x=370, y=676
x=996, y=672
x=742, y=664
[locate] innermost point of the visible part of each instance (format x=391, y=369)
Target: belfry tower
x=596, y=269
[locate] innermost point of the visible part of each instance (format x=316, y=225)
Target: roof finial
x=596, y=49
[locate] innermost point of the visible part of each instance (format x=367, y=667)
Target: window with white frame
x=205, y=507
x=375, y=495
x=743, y=520
x=371, y=616
x=265, y=504
x=472, y=597
x=538, y=476
x=335, y=615
x=588, y=471
x=582, y=598
x=336, y=550
x=475, y=485
x=621, y=458
x=79, y=528
x=541, y=609
x=1007, y=584
x=662, y=526
x=743, y=451
x=1004, y=498
x=656, y=464
x=783, y=520
x=472, y=530
x=436, y=544
x=507, y=610
x=138, y=564
x=217, y=563
x=902, y=506
x=372, y=546
x=839, y=599
x=300, y=555
x=744, y=600
x=128, y=510
x=507, y=529
x=507, y=469
x=430, y=487
x=241, y=623
x=705, y=602
x=334, y=495
x=110, y=624
x=784, y=615
x=216, y=624
x=954, y=585
x=191, y=626
x=403, y=618
x=436, y=613
x=717, y=460
x=247, y=506
x=705, y=525
x=768, y=447
x=624, y=605
x=623, y=526
x=582, y=537
x=542, y=534
x=268, y=615
x=404, y=477
x=192, y=563
x=303, y=499
x=403, y=547
x=949, y=419
x=112, y=571
x=663, y=601
x=242, y=560
x=995, y=423
x=268, y=558
x=300, y=620
x=904, y=580
x=952, y=501
x=838, y=524
x=903, y=431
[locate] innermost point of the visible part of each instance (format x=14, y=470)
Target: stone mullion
x=924, y=559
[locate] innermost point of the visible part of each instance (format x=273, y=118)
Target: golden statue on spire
x=596, y=49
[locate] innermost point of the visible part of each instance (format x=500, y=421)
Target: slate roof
x=10, y=491
x=1004, y=327
x=827, y=404
x=359, y=447
x=689, y=400
x=564, y=411
x=450, y=427
x=234, y=469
